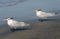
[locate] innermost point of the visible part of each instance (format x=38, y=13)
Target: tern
x=13, y=24
x=43, y=15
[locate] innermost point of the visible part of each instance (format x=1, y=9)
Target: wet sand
x=40, y=30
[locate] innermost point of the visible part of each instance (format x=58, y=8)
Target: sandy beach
x=39, y=30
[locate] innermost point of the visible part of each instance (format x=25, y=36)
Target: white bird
x=15, y=24
x=43, y=15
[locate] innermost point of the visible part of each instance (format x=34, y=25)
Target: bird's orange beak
x=33, y=10
x=5, y=19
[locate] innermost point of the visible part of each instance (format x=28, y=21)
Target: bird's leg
x=41, y=20
x=12, y=29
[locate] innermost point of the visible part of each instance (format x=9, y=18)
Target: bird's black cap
x=11, y=18
x=39, y=9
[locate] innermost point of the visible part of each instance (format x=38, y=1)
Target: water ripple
x=4, y=3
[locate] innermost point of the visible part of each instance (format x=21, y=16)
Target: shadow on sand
x=20, y=29
x=42, y=20
x=9, y=31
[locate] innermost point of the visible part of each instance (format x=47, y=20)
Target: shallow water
x=22, y=11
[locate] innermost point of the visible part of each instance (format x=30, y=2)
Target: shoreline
x=40, y=30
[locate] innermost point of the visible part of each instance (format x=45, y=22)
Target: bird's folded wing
x=16, y=23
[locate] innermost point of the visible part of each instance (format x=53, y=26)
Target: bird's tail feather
x=56, y=13
x=27, y=24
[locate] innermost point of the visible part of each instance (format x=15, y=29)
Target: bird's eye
x=11, y=18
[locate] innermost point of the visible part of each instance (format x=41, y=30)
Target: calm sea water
x=23, y=9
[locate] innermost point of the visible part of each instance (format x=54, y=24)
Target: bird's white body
x=15, y=24
x=44, y=14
